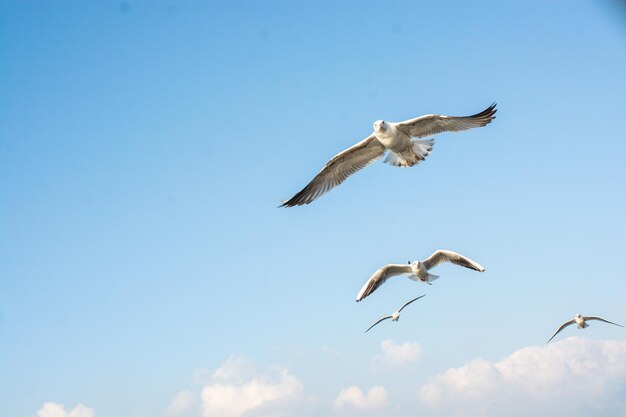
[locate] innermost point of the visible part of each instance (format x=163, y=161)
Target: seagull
x=396, y=315
x=581, y=323
x=397, y=138
x=416, y=270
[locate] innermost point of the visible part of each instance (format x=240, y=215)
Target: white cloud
x=237, y=388
x=52, y=409
x=235, y=369
x=353, y=397
x=574, y=377
x=183, y=403
x=396, y=355
x=291, y=406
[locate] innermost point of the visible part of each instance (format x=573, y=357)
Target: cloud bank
x=52, y=409
x=353, y=397
x=574, y=377
x=238, y=388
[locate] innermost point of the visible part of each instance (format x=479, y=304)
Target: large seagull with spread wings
x=398, y=139
x=417, y=271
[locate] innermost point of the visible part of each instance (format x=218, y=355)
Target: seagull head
x=380, y=126
x=578, y=316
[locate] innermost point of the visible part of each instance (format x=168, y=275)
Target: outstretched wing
x=442, y=256
x=601, y=319
x=409, y=302
x=564, y=325
x=340, y=167
x=380, y=276
x=431, y=124
x=379, y=320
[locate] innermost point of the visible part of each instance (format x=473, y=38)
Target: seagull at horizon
x=396, y=315
x=416, y=270
x=581, y=322
x=398, y=139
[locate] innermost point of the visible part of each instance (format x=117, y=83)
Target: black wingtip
x=493, y=109
x=296, y=200
x=287, y=203
x=486, y=116
x=291, y=203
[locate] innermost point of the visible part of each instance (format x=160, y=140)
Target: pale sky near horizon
x=145, y=269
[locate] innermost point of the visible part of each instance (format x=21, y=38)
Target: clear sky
x=145, y=269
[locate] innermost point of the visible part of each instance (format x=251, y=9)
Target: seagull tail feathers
x=423, y=147
x=431, y=277
x=419, y=151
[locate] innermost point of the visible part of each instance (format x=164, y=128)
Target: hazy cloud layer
x=574, y=377
x=52, y=409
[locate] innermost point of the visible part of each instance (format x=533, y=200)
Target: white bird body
x=395, y=316
x=420, y=272
x=400, y=140
x=416, y=271
x=581, y=323
x=392, y=138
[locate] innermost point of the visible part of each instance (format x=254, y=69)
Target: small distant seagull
x=388, y=136
x=395, y=316
x=581, y=323
x=416, y=270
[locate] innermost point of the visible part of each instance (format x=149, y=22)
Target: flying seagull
x=397, y=138
x=581, y=323
x=396, y=315
x=416, y=270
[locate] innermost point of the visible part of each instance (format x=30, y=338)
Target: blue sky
x=146, y=145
